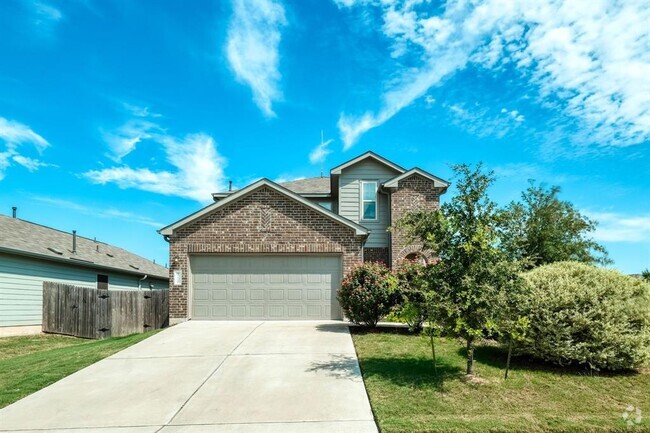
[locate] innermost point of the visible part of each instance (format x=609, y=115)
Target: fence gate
x=101, y=313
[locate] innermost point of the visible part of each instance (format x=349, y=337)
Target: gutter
x=75, y=261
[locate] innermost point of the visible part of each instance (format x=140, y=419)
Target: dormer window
x=368, y=200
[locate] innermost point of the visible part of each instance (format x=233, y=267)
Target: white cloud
x=482, y=121
x=14, y=135
x=46, y=13
x=252, y=48
x=102, y=213
x=197, y=169
x=31, y=164
x=589, y=61
x=139, y=111
x=615, y=227
x=320, y=152
x=124, y=139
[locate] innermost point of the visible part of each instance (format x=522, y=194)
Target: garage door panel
x=265, y=287
x=219, y=294
x=202, y=294
x=256, y=294
x=219, y=312
x=294, y=294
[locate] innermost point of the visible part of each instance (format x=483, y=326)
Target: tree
x=543, y=229
x=645, y=275
x=472, y=274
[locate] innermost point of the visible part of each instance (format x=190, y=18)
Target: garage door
x=265, y=287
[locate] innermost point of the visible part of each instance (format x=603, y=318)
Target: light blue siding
x=350, y=196
x=21, y=285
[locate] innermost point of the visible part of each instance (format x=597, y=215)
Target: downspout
x=140, y=282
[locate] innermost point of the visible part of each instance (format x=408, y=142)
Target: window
x=326, y=204
x=368, y=200
x=102, y=281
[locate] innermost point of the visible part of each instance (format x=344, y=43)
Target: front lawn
x=537, y=397
x=30, y=363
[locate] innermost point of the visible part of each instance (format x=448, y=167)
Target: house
x=279, y=251
x=31, y=254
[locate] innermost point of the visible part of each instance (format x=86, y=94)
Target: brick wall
x=413, y=193
x=264, y=221
x=376, y=255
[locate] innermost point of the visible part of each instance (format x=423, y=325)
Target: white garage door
x=265, y=287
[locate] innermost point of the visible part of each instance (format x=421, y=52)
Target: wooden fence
x=101, y=313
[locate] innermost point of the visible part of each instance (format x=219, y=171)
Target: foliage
x=472, y=276
x=411, y=306
x=645, y=275
x=367, y=293
x=543, y=229
x=581, y=314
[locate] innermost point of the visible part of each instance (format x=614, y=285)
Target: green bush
x=367, y=293
x=411, y=303
x=580, y=314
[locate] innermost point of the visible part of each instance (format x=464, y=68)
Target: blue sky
x=119, y=117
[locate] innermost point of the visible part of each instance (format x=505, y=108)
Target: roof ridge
x=58, y=230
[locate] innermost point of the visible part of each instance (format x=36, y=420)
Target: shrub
x=580, y=314
x=367, y=293
x=411, y=302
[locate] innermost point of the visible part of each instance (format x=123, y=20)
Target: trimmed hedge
x=580, y=314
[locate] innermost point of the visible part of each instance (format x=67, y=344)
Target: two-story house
x=279, y=251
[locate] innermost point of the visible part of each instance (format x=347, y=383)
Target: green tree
x=645, y=275
x=472, y=274
x=542, y=229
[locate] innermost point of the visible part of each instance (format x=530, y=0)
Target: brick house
x=279, y=251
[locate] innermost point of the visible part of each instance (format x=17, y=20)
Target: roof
x=310, y=185
x=168, y=230
x=372, y=155
x=30, y=239
x=437, y=182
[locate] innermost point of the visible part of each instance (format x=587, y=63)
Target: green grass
x=406, y=397
x=30, y=363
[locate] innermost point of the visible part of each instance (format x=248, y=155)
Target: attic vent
x=134, y=267
x=110, y=255
x=55, y=251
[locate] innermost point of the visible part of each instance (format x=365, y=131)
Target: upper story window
x=368, y=200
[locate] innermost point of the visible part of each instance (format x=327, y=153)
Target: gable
x=297, y=201
x=367, y=157
x=264, y=215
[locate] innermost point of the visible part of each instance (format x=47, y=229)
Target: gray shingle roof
x=24, y=237
x=313, y=185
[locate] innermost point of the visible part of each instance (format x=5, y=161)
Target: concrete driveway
x=234, y=377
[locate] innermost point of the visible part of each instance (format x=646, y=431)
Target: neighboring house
x=279, y=251
x=32, y=253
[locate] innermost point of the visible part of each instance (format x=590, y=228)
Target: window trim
x=362, y=201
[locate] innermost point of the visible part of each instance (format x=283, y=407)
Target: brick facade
x=376, y=255
x=264, y=221
x=414, y=193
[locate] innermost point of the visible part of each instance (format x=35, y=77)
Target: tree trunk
x=433, y=352
x=508, y=361
x=470, y=355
